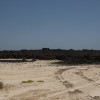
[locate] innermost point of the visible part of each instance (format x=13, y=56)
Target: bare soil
x=43, y=80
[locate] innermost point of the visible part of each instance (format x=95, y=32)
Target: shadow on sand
x=17, y=60
x=64, y=63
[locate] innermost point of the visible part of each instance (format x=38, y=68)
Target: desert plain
x=49, y=80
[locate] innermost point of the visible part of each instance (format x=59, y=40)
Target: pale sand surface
x=50, y=81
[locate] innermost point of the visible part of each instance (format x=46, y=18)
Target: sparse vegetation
x=40, y=81
x=29, y=81
x=1, y=85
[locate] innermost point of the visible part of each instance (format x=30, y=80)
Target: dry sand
x=44, y=80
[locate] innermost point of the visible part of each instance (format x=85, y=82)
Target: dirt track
x=49, y=81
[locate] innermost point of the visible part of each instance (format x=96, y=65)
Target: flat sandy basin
x=47, y=80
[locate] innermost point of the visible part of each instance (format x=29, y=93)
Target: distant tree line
x=69, y=56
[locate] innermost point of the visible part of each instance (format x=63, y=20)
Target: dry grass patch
x=29, y=81
x=40, y=81
x=1, y=85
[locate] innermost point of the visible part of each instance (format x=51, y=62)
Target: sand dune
x=43, y=80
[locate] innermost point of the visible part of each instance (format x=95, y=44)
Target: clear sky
x=36, y=24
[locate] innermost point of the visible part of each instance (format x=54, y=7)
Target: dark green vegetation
x=67, y=56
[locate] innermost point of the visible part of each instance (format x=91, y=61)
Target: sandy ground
x=44, y=80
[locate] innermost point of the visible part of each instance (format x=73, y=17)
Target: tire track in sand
x=59, y=77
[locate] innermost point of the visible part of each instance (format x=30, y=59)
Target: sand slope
x=49, y=81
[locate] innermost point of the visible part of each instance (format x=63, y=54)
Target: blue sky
x=36, y=24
